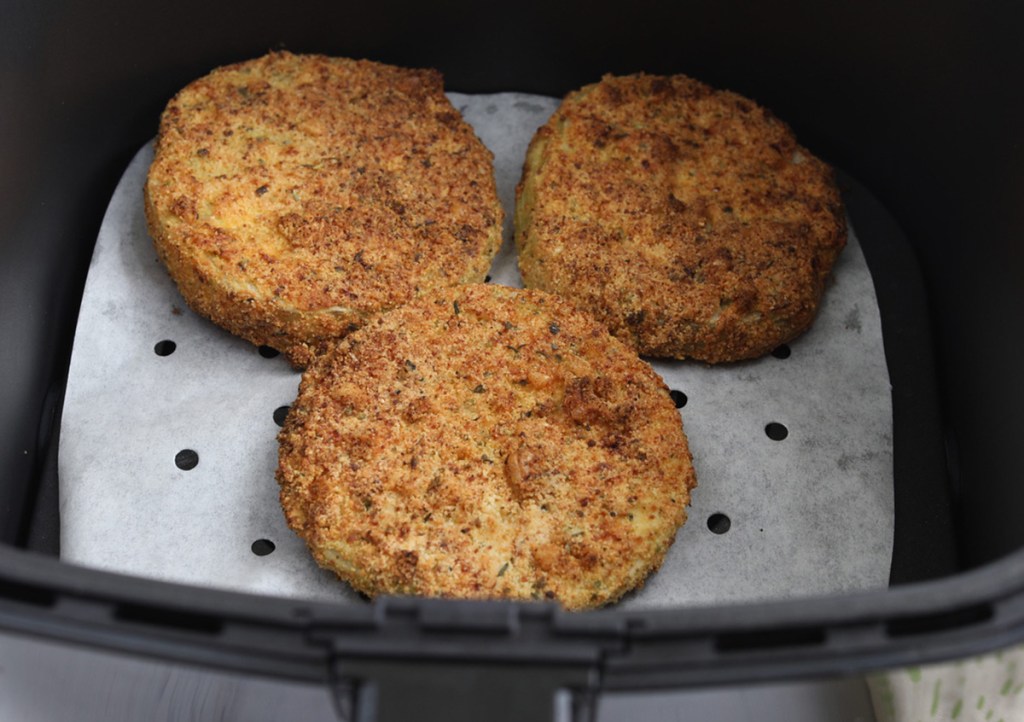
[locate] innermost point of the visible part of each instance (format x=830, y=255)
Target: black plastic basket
x=923, y=112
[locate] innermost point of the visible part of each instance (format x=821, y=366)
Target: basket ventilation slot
x=942, y=622
x=168, y=619
x=770, y=639
x=27, y=594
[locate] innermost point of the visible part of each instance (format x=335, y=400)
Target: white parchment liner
x=812, y=513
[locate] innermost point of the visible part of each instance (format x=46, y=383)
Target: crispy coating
x=686, y=219
x=485, y=442
x=291, y=197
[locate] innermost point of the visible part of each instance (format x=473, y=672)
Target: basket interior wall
x=923, y=108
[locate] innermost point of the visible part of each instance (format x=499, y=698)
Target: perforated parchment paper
x=806, y=514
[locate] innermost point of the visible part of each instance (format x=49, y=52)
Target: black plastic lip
x=975, y=612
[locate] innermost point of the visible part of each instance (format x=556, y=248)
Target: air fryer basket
x=921, y=111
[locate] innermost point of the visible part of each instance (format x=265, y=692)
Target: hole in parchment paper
x=262, y=547
x=678, y=398
x=165, y=347
x=186, y=459
x=268, y=352
x=719, y=523
x=782, y=351
x=280, y=414
x=776, y=431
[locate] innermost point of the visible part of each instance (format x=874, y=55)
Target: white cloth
x=980, y=689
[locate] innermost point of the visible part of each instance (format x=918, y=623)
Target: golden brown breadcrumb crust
x=485, y=442
x=293, y=196
x=687, y=219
